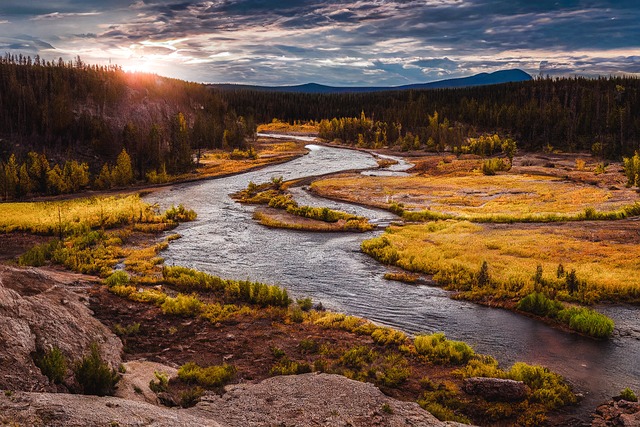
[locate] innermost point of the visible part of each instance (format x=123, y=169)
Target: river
x=330, y=268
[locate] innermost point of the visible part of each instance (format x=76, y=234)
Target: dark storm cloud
x=338, y=42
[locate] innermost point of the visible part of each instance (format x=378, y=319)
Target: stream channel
x=329, y=267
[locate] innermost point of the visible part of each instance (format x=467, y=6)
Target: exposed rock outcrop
x=134, y=384
x=297, y=400
x=312, y=400
x=37, y=312
x=496, y=389
x=72, y=410
x=617, y=413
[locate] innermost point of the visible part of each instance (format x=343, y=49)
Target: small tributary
x=330, y=268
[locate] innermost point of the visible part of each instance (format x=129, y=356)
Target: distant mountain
x=482, y=79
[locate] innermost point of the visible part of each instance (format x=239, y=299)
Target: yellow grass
x=218, y=162
x=513, y=252
x=278, y=126
x=70, y=215
x=474, y=194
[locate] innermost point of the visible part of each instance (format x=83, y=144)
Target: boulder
x=39, y=310
x=617, y=413
x=496, y=389
x=134, y=384
x=72, y=410
x=312, y=400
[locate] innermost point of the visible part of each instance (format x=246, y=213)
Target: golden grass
x=278, y=126
x=474, y=194
x=73, y=215
x=513, y=252
x=218, y=162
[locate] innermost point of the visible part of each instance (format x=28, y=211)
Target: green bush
x=628, y=395
x=440, y=350
x=289, y=367
x=587, y=321
x=358, y=357
x=305, y=304
x=547, y=387
x=211, y=376
x=39, y=254
x=182, y=305
x=117, y=278
x=160, y=384
x=491, y=166
x=540, y=304
x=180, y=214
x=53, y=365
x=387, y=336
x=190, y=397
x=94, y=375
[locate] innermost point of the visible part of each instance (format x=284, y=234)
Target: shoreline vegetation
x=281, y=211
x=429, y=369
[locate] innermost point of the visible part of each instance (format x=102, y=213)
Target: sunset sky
x=346, y=43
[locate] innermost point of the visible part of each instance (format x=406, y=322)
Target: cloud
x=337, y=42
x=59, y=15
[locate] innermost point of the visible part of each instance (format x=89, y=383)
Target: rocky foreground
x=40, y=309
x=300, y=400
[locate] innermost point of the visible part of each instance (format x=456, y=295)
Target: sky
x=341, y=43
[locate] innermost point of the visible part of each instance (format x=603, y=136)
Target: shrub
x=587, y=321
x=39, y=254
x=438, y=349
x=189, y=398
x=538, y=303
x=182, y=305
x=394, y=371
x=628, y=395
x=180, y=214
x=547, y=387
x=491, y=166
x=308, y=346
x=161, y=384
x=123, y=331
x=305, y=304
x=386, y=336
x=289, y=367
x=53, y=365
x=211, y=376
x=358, y=357
x=117, y=278
x=94, y=375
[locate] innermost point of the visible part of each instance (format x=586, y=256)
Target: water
x=330, y=268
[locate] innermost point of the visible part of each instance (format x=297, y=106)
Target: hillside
x=498, y=77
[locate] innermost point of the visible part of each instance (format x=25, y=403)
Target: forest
x=65, y=126
x=560, y=113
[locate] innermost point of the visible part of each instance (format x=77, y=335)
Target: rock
x=34, y=318
x=134, y=384
x=617, y=413
x=72, y=410
x=311, y=400
x=496, y=389
x=296, y=400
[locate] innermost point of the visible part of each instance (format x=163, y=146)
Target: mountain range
x=482, y=79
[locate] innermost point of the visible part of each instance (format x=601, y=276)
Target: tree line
x=564, y=113
x=87, y=113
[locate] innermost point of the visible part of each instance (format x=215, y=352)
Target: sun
x=139, y=66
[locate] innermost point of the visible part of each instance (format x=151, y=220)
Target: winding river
x=330, y=268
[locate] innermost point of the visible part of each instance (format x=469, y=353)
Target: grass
x=63, y=218
x=286, y=213
x=437, y=349
x=477, y=197
x=453, y=252
x=209, y=376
